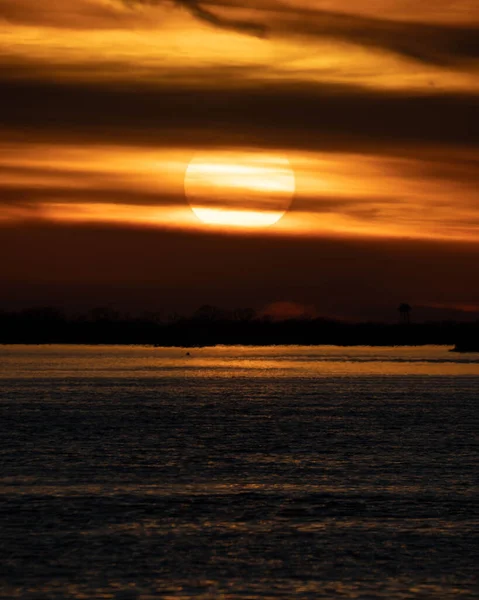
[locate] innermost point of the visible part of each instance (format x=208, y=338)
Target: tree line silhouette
x=211, y=326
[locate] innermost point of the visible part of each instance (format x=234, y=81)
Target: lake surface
x=284, y=472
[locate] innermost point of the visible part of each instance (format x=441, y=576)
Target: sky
x=126, y=124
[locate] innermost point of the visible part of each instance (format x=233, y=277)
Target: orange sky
x=105, y=103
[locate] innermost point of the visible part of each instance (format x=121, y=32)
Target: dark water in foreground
x=238, y=473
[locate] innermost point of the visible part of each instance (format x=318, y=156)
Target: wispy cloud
x=429, y=42
x=197, y=9
x=426, y=39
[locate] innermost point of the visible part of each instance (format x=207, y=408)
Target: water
x=141, y=473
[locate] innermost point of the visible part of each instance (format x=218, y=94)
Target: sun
x=239, y=189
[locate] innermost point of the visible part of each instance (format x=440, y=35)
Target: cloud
x=198, y=10
x=308, y=117
x=29, y=196
x=453, y=44
x=432, y=43
x=74, y=14
x=336, y=193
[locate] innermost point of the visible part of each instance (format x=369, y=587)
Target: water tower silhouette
x=404, y=312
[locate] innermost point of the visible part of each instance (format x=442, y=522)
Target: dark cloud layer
x=302, y=117
x=425, y=42
x=25, y=195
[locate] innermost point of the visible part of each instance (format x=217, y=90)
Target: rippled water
x=238, y=473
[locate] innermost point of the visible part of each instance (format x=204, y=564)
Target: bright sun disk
x=239, y=189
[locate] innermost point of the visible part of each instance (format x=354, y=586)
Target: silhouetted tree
x=243, y=314
x=208, y=313
x=155, y=316
x=104, y=313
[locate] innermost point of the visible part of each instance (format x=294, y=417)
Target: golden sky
x=374, y=104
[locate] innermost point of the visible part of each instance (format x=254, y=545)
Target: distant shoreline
x=199, y=347
x=48, y=326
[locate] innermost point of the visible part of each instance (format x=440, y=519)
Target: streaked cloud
x=336, y=193
x=430, y=42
